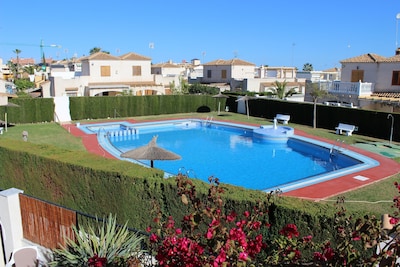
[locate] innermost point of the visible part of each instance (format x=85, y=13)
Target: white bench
x=346, y=128
x=282, y=118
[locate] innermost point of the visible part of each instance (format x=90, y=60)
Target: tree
x=17, y=52
x=97, y=49
x=308, y=67
x=23, y=84
x=94, y=50
x=181, y=89
x=316, y=93
x=29, y=69
x=280, y=90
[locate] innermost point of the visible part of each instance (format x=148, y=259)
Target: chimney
x=397, y=51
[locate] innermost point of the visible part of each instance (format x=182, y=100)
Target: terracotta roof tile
x=230, y=62
x=101, y=56
x=134, y=56
x=164, y=65
x=371, y=58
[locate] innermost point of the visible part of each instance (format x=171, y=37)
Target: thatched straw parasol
x=219, y=95
x=246, y=98
x=150, y=152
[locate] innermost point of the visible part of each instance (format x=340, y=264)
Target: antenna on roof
x=151, y=46
x=235, y=53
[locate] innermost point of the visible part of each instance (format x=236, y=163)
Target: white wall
x=384, y=77
x=10, y=215
x=378, y=73
x=61, y=109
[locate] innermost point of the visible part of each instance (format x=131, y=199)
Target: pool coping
x=387, y=167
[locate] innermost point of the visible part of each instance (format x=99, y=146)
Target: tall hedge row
x=129, y=106
x=369, y=122
x=29, y=110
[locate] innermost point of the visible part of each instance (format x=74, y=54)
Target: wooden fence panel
x=44, y=223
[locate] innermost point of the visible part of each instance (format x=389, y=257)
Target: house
x=23, y=61
x=7, y=89
x=384, y=75
x=368, y=81
x=332, y=74
x=168, y=73
x=265, y=78
x=231, y=72
x=102, y=74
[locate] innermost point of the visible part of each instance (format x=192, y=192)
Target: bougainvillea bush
x=209, y=235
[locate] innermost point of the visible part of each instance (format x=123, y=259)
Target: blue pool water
x=233, y=154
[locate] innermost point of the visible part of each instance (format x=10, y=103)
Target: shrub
x=208, y=235
x=108, y=245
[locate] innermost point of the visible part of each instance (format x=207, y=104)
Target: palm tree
x=94, y=50
x=97, y=49
x=17, y=52
x=308, y=67
x=280, y=90
x=29, y=69
x=316, y=93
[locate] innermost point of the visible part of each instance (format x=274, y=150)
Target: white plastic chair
x=25, y=257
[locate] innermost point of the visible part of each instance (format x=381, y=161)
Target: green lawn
x=375, y=198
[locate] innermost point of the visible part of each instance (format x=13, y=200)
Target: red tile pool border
x=387, y=167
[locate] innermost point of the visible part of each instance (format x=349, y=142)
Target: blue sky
x=263, y=32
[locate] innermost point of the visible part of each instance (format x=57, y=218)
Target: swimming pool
x=233, y=153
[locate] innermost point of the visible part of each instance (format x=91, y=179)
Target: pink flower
x=289, y=231
x=246, y=214
x=231, y=217
x=394, y=220
x=243, y=256
x=255, y=225
x=97, y=261
x=153, y=238
x=355, y=236
x=210, y=233
x=220, y=259
x=178, y=231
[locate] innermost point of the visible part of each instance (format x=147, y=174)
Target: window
x=105, y=70
x=223, y=74
x=136, y=70
x=396, y=77
x=208, y=73
x=357, y=76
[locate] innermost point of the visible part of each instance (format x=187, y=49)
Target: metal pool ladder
x=336, y=147
x=207, y=121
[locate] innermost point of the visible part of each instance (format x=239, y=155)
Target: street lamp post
x=397, y=27
x=391, y=128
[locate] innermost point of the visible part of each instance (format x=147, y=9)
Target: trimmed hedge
x=129, y=106
x=29, y=110
x=369, y=122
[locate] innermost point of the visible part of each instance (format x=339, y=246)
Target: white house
x=230, y=72
x=330, y=75
x=369, y=81
x=105, y=74
x=265, y=78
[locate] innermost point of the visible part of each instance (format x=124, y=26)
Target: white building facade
x=105, y=74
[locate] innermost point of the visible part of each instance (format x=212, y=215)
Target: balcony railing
x=350, y=88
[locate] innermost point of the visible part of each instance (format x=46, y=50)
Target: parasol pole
x=5, y=121
x=247, y=107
